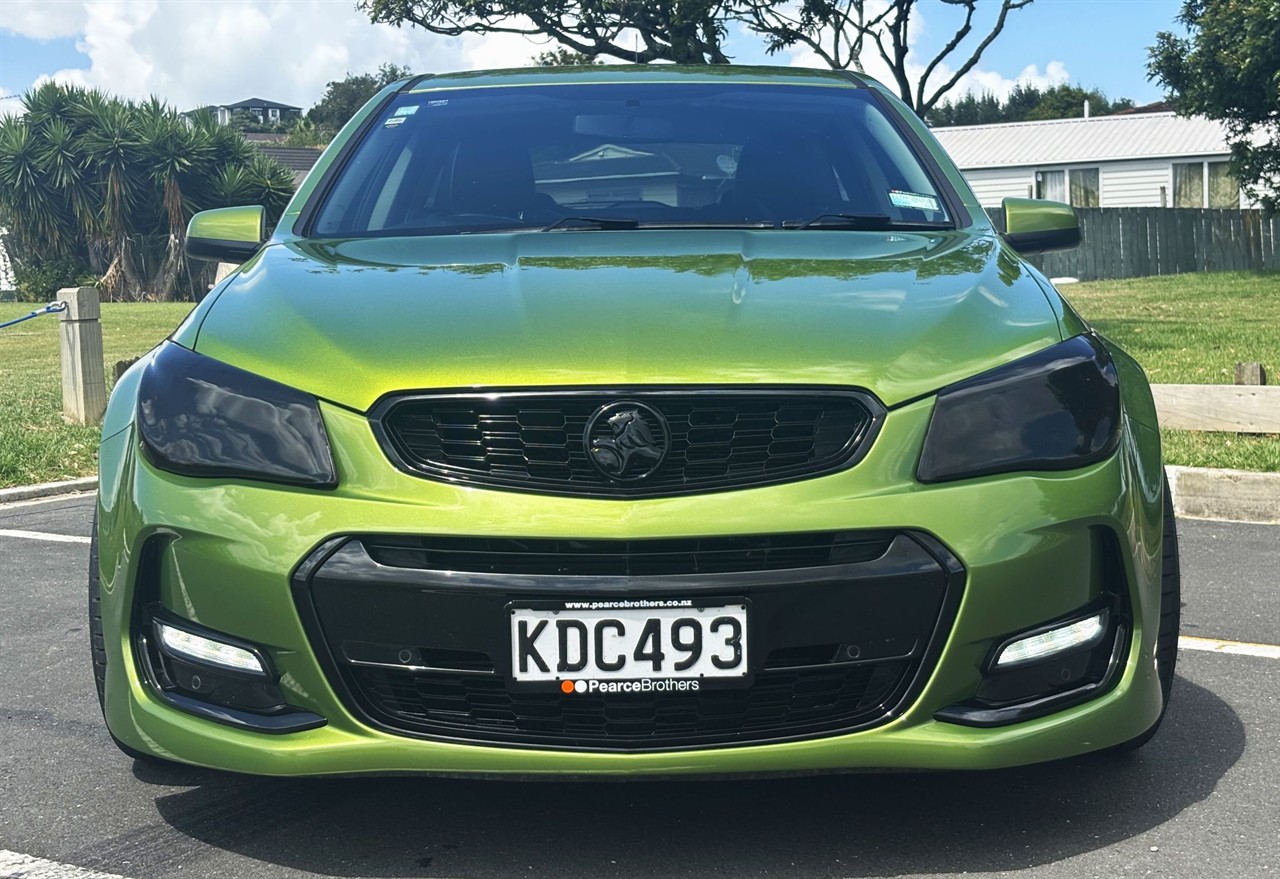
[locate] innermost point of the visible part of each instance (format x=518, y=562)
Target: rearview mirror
x=1034, y=226
x=227, y=234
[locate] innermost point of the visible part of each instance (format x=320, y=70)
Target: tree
x=1026, y=102
x=344, y=97
x=563, y=57
x=693, y=31
x=91, y=181
x=1228, y=69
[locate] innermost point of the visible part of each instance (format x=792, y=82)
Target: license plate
x=601, y=645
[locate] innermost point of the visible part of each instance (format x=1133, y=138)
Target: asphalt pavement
x=1202, y=800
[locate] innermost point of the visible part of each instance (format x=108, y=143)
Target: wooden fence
x=1136, y=242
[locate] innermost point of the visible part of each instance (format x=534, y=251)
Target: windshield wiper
x=863, y=222
x=570, y=224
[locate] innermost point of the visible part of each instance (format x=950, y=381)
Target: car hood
x=899, y=314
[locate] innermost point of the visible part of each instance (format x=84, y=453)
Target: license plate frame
x=635, y=615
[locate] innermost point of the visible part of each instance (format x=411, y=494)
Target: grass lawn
x=1194, y=329
x=1189, y=329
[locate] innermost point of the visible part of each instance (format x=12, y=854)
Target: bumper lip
x=903, y=698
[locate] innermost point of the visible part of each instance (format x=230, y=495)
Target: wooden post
x=1250, y=374
x=84, y=388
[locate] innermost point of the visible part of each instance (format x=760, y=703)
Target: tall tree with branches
x=693, y=31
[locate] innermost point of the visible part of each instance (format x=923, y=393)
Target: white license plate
x=622, y=640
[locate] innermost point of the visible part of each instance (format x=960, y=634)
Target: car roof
x=634, y=73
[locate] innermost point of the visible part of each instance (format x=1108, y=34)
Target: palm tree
x=112, y=140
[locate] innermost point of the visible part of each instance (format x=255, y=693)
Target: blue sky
x=216, y=51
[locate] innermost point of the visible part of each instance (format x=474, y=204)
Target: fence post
x=84, y=387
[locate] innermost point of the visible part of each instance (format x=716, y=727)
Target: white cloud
x=193, y=53
x=43, y=19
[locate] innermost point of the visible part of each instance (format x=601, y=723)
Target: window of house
x=1188, y=184
x=273, y=113
x=1051, y=185
x=1204, y=184
x=1084, y=187
x=1224, y=190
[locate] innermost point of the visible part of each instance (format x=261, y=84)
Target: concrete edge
x=47, y=489
x=1229, y=495
x=1198, y=493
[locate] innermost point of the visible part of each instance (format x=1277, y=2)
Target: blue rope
x=48, y=309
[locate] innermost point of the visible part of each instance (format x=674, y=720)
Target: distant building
x=1134, y=159
x=268, y=112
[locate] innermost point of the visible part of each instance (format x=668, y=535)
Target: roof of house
x=1097, y=139
x=299, y=160
x=249, y=103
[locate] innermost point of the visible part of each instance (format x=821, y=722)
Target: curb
x=47, y=489
x=1231, y=495
x=1198, y=493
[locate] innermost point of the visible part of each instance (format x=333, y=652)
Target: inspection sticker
x=915, y=200
x=407, y=111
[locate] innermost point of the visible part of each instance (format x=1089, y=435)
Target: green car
x=632, y=421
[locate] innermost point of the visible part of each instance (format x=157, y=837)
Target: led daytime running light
x=206, y=650
x=1046, y=644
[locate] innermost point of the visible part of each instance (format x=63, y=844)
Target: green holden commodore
x=632, y=421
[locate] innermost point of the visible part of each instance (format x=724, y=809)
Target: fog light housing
x=1034, y=648
x=1038, y=671
x=184, y=644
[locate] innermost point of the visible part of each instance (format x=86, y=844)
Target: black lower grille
x=697, y=440
x=632, y=558
x=416, y=637
x=801, y=701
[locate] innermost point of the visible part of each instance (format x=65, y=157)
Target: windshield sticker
x=444, y=102
x=901, y=199
x=394, y=121
x=407, y=111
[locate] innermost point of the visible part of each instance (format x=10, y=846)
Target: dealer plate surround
x=583, y=643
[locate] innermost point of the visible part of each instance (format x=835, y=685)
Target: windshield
x=576, y=157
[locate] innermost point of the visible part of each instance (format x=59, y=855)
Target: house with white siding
x=1120, y=161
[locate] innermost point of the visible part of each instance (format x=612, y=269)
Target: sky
x=192, y=53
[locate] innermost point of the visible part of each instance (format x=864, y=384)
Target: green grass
x=1194, y=329
x=1189, y=329
x=36, y=445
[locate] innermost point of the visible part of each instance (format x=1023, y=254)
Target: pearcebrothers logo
x=644, y=685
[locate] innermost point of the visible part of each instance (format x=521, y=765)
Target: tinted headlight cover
x=1057, y=409
x=201, y=417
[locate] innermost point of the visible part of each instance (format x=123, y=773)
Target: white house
x=1126, y=160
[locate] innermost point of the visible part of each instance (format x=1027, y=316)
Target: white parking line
x=16, y=866
x=41, y=535
x=1241, y=648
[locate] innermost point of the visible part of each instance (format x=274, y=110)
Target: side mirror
x=227, y=234
x=1033, y=226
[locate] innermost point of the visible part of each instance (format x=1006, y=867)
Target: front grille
x=717, y=439
x=415, y=633
x=801, y=701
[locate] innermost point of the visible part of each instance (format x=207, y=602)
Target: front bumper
x=1027, y=545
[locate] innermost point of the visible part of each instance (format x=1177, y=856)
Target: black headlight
x=1058, y=409
x=201, y=417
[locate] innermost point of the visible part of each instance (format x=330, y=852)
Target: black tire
x=98, y=647
x=1170, y=616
